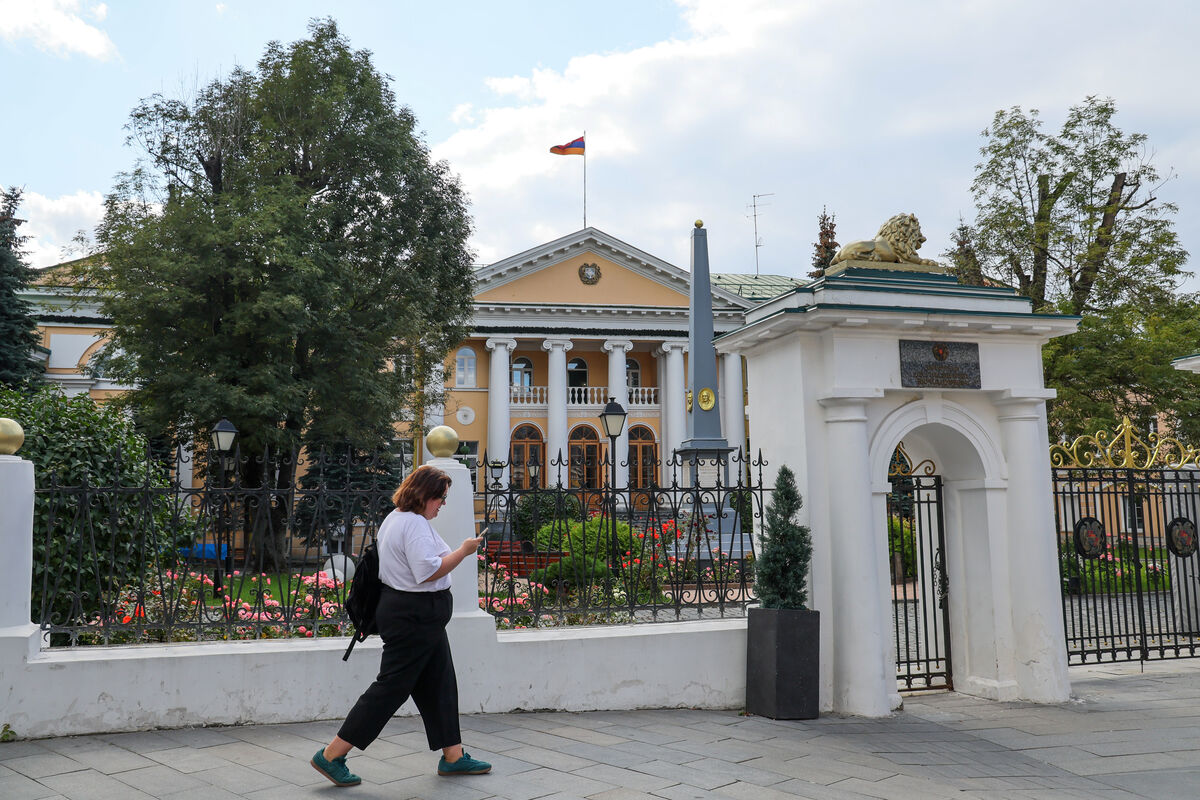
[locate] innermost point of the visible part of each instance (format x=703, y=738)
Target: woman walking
x=415, y=605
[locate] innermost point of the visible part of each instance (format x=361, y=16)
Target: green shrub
x=117, y=538
x=592, y=538
x=572, y=572
x=902, y=539
x=538, y=509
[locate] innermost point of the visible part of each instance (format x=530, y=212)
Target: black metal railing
x=1128, y=563
x=256, y=547
x=561, y=553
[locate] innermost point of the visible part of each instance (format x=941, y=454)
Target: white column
x=455, y=522
x=1040, y=652
x=556, y=409
x=499, y=394
x=618, y=389
x=860, y=624
x=733, y=406
x=673, y=409
x=16, y=541
x=436, y=414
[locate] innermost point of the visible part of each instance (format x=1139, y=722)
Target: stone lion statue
x=897, y=242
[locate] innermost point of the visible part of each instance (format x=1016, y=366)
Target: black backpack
x=363, y=598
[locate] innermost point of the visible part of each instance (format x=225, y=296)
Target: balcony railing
x=581, y=395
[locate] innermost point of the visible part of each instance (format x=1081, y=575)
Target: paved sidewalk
x=1126, y=735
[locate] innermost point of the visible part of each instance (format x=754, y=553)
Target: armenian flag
x=572, y=148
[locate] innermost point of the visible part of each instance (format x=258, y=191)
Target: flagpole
x=585, y=179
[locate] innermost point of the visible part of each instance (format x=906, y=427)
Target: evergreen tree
x=18, y=330
x=826, y=246
x=963, y=260
x=781, y=570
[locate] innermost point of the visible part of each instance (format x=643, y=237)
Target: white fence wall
x=96, y=689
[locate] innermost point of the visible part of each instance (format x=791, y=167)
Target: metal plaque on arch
x=939, y=365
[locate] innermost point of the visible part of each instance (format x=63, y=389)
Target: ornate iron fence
x=1126, y=510
x=565, y=553
x=168, y=561
x=173, y=559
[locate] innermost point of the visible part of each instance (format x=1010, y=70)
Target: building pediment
x=590, y=267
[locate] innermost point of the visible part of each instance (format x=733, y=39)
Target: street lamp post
x=224, y=434
x=534, y=468
x=612, y=419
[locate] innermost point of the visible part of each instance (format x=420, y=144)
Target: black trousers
x=416, y=662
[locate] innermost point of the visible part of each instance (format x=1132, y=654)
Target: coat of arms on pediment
x=589, y=274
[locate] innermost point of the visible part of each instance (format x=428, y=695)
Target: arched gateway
x=845, y=369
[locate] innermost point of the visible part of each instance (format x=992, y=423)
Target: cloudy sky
x=691, y=108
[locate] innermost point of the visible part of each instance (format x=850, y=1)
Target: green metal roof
x=755, y=287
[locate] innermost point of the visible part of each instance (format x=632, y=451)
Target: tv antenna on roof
x=754, y=215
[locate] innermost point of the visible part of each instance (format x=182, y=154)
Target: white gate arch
x=830, y=397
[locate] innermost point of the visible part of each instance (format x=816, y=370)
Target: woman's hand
x=469, y=546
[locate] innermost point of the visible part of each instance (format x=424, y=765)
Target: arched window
x=577, y=373
x=633, y=373
x=522, y=372
x=643, y=457
x=464, y=368
x=526, y=449
x=584, y=447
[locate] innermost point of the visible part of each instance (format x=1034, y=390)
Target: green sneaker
x=336, y=769
x=464, y=766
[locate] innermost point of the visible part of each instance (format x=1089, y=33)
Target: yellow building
x=557, y=330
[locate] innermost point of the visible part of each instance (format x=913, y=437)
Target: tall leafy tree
x=1073, y=220
x=826, y=246
x=18, y=329
x=284, y=254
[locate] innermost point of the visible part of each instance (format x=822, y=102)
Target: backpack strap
x=353, y=641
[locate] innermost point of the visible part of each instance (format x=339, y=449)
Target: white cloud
x=866, y=108
x=57, y=26
x=52, y=222
x=220, y=8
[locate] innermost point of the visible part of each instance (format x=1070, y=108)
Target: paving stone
x=570, y=782
x=586, y=735
x=515, y=787
x=158, y=781
x=702, y=779
x=235, y=777
x=141, y=741
x=92, y=785
x=629, y=778
x=43, y=765
x=199, y=737
x=18, y=787
x=463, y=787
x=11, y=750
x=109, y=759
x=188, y=759
x=549, y=758
x=245, y=753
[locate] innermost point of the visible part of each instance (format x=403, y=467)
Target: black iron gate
x=1126, y=514
x=916, y=548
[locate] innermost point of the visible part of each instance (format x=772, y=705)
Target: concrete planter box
x=783, y=663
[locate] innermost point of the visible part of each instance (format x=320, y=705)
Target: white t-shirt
x=409, y=552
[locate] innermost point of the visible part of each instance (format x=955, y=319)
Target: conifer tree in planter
x=783, y=635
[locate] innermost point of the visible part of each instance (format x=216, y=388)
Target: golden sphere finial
x=442, y=441
x=699, y=223
x=11, y=436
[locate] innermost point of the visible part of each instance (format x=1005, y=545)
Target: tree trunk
x=1041, y=235
x=1081, y=289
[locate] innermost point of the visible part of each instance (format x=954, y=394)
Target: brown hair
x=422, y=485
